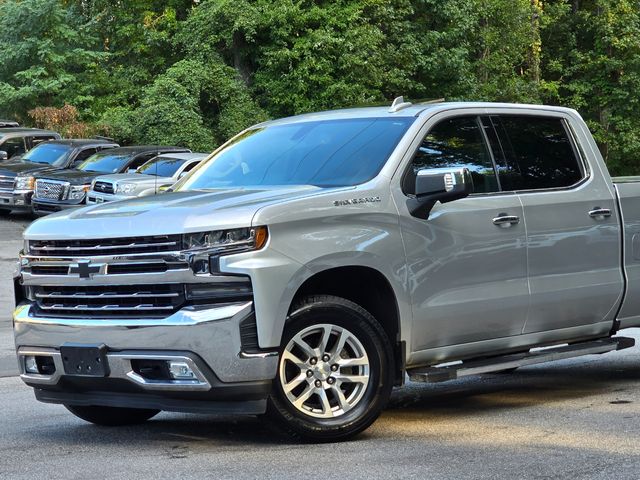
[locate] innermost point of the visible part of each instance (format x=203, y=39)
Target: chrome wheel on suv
x=335, y=370
x=324, y=371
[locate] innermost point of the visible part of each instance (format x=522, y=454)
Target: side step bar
x=506, y=362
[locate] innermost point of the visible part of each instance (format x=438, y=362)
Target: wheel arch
x=368, y=288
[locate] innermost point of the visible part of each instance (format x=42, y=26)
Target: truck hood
x=73, y=176
x=165, y=214
x=13, y=169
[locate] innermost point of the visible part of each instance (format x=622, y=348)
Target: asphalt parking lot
x=577, y=419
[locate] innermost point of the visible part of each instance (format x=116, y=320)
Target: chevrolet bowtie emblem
x=84, y=269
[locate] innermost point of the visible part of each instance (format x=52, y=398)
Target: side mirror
x=132, y=170
x=182, y=175
x=4, y=155
x=439, y=185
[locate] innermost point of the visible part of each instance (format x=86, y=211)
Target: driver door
x=466, y=264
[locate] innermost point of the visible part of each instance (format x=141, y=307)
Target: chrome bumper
x=16, y=199
x=210, y=333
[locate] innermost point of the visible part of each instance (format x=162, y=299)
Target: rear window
x=537, y=153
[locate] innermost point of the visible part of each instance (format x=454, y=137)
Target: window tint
x=37, y=140
x=49, y=153
x=13, y=146
x=161, y=166
x=141, y=160
x=325, y=153
x=84, y=154
x=538, y=153
x=456, y=143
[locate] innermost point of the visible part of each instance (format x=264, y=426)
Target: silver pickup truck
x=312, y=262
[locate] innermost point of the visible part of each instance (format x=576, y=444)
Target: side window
x=538, y=153
x=140, y=159
x=84, y=154
x=13, y=146
x=456, y=143
x=190, y=167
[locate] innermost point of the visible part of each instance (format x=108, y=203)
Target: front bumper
x=207, y=338
x=16, y=199
x=97, y=197
x=44, y=207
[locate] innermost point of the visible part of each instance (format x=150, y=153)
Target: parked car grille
x=107, y=301
x=6, y=183
x=49, y=190
x=103, y=187
x=106, y=246
x=113, y=268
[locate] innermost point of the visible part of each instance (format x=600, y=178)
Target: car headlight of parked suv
x=125, y=188
x=78, y=192
x=24, y=183
x=204, y=249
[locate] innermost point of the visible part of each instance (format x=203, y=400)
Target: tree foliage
x=194, y=72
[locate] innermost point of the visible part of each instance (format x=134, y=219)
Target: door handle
x=600, y=213
x=503, y=220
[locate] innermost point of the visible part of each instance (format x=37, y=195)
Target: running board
x=506, y=362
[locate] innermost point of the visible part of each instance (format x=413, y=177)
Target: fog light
x=19, y=201
x=30, y=364
x=181, y=371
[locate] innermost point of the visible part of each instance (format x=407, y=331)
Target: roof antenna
x=398, y=104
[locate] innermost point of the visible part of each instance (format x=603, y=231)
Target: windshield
x=161, y=166
x=323, y=153
x=105, y=163
x=49, y=154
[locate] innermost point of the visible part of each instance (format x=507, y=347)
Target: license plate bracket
x=86, y=360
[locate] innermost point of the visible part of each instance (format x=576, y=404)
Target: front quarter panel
x=350, y=227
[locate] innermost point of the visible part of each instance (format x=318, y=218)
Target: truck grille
x=103, y=187
x=51, y=190
x=108, y=301
x=106, y=246
x=6, y=183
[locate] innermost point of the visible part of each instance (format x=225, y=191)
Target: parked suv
x=17, y=176
x=159, y=172
x=17, y=141
x=311, y=262
x=55, y=191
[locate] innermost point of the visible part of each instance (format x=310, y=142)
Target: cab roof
x=412, y=110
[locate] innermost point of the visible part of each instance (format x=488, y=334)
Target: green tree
x=47, y=56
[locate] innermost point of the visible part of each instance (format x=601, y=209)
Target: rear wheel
x=334, y=375
x=112, y=416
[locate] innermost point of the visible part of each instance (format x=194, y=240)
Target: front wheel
x=112, y=416
x=334, y=374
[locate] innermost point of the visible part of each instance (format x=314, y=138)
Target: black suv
x=17, y=141
x=55, y=191
x=16, y=176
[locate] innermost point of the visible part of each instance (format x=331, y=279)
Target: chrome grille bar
x=108, y=295
x=103, y=308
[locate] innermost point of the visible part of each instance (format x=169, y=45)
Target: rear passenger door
x=573, y=232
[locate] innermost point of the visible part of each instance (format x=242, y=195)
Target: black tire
x=4, y=212
x=111, y=416
x=316, y=310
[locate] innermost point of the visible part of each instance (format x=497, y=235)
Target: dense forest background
x=195, y=72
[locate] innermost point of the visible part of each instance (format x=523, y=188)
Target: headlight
x=226, y=241
x=25, y=183
x=125, y=188
x=78, y=192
